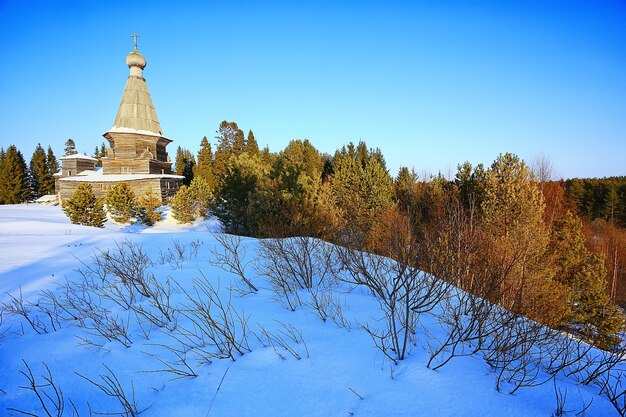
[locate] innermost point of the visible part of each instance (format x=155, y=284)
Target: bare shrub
x=217, y=331
x=281, y=340
x=232, y=257
x=28, y=311
x=179, y=366
x=129, y=263
x=176, y=256
x=403, y=293
x=49, y=395
x=110, y=385
x=297, y=263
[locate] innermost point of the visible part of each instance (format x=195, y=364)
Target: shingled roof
x=136, y=111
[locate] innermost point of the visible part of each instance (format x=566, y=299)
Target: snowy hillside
x=293, y=362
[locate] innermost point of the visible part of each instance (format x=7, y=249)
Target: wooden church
x=137, y=151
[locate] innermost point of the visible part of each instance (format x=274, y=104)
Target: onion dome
x=135, y=59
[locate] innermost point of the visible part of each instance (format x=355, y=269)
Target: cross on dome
x=134, y=35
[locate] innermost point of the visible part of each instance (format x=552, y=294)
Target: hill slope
x=293, y=363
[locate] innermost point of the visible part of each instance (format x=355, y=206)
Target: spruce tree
x=52, y=167
x=252, y=147
x=103, y=150
x=184, y=164
x=204, y=169
x=121, y=202
x=70, y=147
x=182, y=205
x=84, y=208
x=14, y=177
x=39, y=172
x=361, y=184
x=146, y=208
x=97, y=155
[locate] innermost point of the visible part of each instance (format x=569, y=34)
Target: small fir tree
x=201, y=195
x=70, y=147
x=84, y=208
x=182, y=205
x=121, y=202
x=146, y=208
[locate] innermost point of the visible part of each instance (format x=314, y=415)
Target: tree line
x=504, y=232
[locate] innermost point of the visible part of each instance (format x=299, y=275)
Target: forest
x=551, y=250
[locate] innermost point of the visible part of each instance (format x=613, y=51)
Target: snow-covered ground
x=340, y=373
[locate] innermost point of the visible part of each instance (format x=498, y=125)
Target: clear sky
x=432, y=83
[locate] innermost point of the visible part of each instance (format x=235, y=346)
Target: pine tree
x=103, y=150
x=234, y=196
x=204, y=169
x=70, y=147
x=182, y=205
x=146, y=208
x=52, y=167
x=121, y=202
x=14, y=177
x=612, y=205
x=516, y=243
x=84, y=208
x=585, y=275
x=39, y=172
x=230, y=142
x=201, y=195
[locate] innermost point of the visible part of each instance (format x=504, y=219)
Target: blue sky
x=432, y=84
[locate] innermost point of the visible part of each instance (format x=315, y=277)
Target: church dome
x=135, y=59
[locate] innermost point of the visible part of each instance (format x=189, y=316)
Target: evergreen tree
x=184, y=164
x=233, y=204
x=585, y=275
x=252, y=147
x=121, y=202
x=98, y=156
x=38, y=171
x=470, y=182
x=516, y=243
x=103, y=150
x=14, y=177
x=612, y=205
x=201, y=195
x=2, y=162
x=362, y=186
x=70, y=147
x=204, y=169
x=182, y=205
x=230, y=142
x=146, y=208
x=84, y=208
x=52, y=167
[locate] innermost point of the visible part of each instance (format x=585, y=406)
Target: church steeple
x=136, y=111
x=137, y=142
